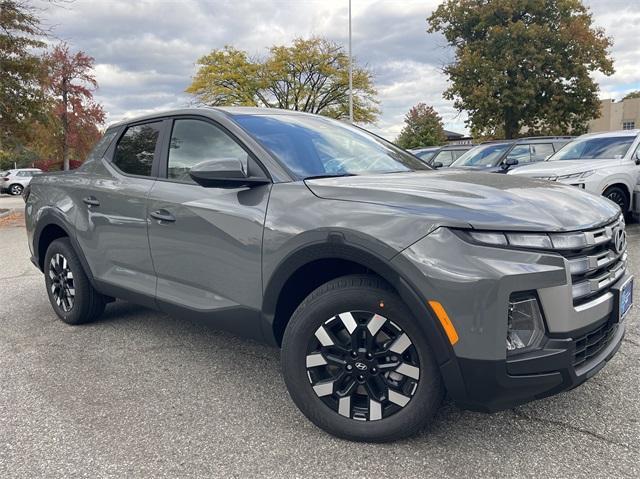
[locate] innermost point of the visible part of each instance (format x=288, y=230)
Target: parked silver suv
x=14, y=181
x=385, y=283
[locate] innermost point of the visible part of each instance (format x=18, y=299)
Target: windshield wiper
x=335, y=175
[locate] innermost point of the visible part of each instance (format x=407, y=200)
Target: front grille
x=597, y=265
x=592, y=343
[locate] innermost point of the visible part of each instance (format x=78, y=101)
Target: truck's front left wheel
x=356, y=364
x=72, y=296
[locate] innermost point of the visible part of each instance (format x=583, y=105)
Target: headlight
x=576, y=176
x=525, y=328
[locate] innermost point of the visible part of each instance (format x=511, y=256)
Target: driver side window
x=195, y=141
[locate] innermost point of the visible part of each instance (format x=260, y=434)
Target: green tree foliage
x=21, y=72
x=423, y=127
x=310, y=75
x=523, y=65
x=630, y=95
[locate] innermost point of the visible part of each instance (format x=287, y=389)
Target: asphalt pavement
x=139, y=393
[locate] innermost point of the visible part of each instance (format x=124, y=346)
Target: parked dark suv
x=384, y=282
x=504, y=155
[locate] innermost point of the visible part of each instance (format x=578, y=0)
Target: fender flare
x=52, y=216
x=379, y=265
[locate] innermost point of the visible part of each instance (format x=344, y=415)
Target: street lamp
x=350, y=71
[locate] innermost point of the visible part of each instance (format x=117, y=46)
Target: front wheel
x=356, y=364
x=15, y=190
x=618, y=196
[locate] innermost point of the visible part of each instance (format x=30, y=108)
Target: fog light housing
x=525, y=328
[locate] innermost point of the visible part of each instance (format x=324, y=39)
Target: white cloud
x=146, y=50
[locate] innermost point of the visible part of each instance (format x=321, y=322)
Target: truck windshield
x=595, y=148
x=314, y=146
x=482, y=155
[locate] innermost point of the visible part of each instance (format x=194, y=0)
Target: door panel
x=112, y=224
x=209, y=258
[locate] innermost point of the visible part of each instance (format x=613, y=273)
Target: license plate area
x=624, y=298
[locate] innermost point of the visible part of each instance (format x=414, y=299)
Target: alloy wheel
x=15, y=190
x=62, y=284
x=618, y=198
x=363, y=365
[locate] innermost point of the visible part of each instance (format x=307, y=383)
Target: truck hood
x=562, y=167
x=483, y=201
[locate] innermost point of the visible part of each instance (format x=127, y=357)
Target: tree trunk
x=511, y=124
x=65, y=127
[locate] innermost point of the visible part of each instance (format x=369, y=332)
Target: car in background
x=441, y=156
x=503, y=155
x=606, y=164
x=15, y=181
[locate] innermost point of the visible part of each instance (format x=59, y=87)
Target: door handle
x=91, y=201
x=163, y=215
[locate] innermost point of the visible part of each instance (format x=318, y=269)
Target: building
x=617, y=115
x=454, y=138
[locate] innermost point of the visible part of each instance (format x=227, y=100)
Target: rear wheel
x=73, y=298
x=16, y=189
x=356, y=364
x=618, y=196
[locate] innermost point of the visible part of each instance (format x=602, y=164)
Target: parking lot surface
x=142, y=394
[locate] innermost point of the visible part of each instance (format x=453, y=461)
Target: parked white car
x=15, y=181
x=607, y=164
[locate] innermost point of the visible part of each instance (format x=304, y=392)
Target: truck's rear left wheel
x=356, y=364
x=72, y=296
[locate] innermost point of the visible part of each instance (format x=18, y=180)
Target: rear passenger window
x=541, y=151
x=195, y=141
x=444, y=157
x=520, y=153
x=135, y=150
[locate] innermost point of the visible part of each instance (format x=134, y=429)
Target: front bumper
x=496, y=385
x=474, y=284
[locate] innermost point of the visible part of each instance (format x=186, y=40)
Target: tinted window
x=541, y=151
x=195, y=141
x=520, y=153
x=483, y=155
x=313, y=145
x=135, y=150
x=444, y=157
x=595, y=148
x=425, y=155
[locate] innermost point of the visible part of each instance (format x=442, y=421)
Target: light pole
x=350, y=71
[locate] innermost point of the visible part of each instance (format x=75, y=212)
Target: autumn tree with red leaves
x=75, y=117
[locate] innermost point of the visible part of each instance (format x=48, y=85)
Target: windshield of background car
x=595, y=148
x=317, y=146
x=482, y=155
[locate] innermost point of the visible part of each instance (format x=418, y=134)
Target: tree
x=423, y=127
x=75, y=118
x=631, y=94
x=523, y=65
x=21, y=72
x=310, y=75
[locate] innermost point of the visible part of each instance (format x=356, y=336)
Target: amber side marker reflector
x=442, y=315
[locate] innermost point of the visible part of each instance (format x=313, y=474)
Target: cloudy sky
x=145, y=50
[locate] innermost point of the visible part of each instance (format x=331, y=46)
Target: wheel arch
x=312, y=258
x=51, y=226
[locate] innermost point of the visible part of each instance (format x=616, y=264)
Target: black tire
x=618, y=196
x=86, y=304
x=16, y=189
x=359, y=294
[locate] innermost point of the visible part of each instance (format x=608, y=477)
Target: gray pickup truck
x=385, y=283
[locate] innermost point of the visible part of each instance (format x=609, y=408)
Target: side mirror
x=437, y=165
x=224, y=173
x=509, y=162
